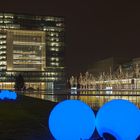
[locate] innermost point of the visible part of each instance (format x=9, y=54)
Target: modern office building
x=107, y=65
x=33, y=46
x=110, y=74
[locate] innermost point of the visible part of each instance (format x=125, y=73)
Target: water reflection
x=95, y=99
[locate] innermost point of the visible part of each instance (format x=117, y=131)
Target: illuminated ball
x=72, y=120
x=2, y=95
x=13, y=95
x=6, y=94
x=119, y=118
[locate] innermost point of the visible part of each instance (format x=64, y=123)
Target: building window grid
x=52, y=33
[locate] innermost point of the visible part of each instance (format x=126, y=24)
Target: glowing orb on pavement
x=119, y=118
x=72, y=120
x=6, y=94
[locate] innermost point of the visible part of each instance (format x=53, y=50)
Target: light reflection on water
x=93, y=98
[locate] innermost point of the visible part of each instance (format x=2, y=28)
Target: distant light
x=108, y=90
x=73, y=88
x=119, y=118
x=6, y=94
x=72, y=120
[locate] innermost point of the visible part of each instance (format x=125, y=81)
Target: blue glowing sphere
x=119, y=118
x=6, y=94
x=72, y=120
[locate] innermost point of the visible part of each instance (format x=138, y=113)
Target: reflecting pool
x=95, y=99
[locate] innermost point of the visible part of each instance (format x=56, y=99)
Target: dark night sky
x=95, y=29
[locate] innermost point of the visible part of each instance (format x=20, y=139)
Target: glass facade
x=24, y=57
x=26, y=50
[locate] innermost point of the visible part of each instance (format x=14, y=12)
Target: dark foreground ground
x=25, y=119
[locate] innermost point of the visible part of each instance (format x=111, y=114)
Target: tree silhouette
x=19, y=83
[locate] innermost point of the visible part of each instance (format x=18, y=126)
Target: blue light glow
x=119, y=118
x=6, y=94
x=72, y=120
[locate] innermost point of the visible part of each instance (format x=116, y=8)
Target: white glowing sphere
x=119, y=118
x=72, y=120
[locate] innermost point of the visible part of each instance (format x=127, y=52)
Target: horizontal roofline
x=30, y=14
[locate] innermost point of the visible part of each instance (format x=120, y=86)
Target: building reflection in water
x=95, y=99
